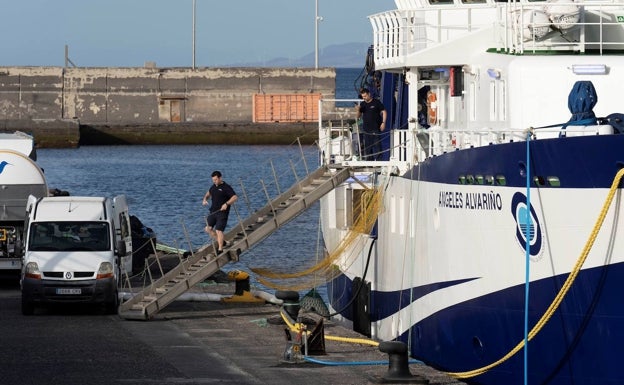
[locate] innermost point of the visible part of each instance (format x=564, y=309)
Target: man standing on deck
x=223, y=196
x=373, y=115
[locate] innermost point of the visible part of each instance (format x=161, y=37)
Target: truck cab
x=20, y=177
x=76, y=250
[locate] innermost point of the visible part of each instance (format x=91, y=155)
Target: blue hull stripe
x=578, y=162
x=583, y=340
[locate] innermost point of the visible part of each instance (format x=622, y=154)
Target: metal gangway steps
x=204, y=263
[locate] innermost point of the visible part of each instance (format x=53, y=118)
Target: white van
x=75, y=251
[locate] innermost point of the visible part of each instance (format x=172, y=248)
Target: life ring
x=432, y=107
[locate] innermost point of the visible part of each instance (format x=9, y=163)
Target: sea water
x=165, y=185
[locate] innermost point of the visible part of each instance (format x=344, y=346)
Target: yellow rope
x=298, y=327
x=564, y=289
x=370, y=207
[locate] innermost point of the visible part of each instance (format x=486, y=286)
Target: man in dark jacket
x=223, y=197
x=373, y=115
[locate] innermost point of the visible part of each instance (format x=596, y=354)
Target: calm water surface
x=164, y=186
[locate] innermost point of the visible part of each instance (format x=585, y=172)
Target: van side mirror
x=121, y=248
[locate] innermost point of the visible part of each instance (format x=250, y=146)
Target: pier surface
x=244, y=343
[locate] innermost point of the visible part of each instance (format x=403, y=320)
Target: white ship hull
x=454, y=266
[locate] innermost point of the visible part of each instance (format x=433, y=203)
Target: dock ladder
x=204, y=263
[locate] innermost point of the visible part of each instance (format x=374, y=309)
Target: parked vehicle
x=20, y=177
x=76, y=251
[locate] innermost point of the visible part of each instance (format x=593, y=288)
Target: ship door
x=361, y=306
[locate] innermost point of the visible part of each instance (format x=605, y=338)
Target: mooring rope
x=564, y=289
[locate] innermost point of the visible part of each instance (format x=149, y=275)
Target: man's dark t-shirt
x=371, y=115
x=219, y=195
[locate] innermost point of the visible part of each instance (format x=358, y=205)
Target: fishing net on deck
x=365, y=213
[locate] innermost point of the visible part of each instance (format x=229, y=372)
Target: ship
x=488, y=234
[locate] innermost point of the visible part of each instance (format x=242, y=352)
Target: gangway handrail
x=259, y=225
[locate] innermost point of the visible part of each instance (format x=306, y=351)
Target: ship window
x=539, y=180
x=493, y=112
x=402, y=212
x=470, y=179
x=501, y=180
x=440, y=2
x=489, y=179
x=480, y=179
x=553, y=181
x=473, y=1
x=356, y=207
x=472, y=102
x=393, y=211
x=502, y=101
x=462, y=179
x=361, y=214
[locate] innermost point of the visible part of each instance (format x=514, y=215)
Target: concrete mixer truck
x=20, y=177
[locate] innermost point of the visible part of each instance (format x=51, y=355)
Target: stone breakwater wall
x=72, y=106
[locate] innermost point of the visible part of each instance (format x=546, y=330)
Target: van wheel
x=112, y=306
x=28, y=308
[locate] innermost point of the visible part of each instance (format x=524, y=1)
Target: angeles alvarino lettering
x=470, y=201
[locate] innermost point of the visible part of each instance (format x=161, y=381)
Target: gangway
x=203, y=263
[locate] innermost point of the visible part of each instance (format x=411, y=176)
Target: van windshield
x=69, y=236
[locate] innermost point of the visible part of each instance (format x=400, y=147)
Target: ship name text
x=470, y=200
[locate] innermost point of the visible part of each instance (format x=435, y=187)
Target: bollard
x=290, y=306
x=291, y=302
x=241, y=293
x=398, y=365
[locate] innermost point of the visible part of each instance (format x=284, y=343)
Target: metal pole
x=316, y=22
x=194, y=7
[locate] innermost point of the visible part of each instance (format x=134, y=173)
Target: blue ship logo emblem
x=3, y=164
x=523, y=223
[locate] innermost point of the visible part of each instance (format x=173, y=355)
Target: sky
x=129, y=33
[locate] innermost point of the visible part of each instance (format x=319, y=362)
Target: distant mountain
x=348, y=55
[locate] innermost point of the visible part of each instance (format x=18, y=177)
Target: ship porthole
x=436, y=218
x=522, y=168
x=477, y=346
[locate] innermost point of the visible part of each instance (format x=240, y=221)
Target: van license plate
x=69, y=291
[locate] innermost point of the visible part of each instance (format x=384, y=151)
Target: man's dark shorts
x=217, y=220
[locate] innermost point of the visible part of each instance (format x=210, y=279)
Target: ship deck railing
x=339, y=143
x=596, y=26
x=339, y=139
x=440, y=140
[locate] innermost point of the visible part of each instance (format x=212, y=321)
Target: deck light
x=494, y=73
x=589, y=69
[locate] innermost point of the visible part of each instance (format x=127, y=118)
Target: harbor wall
x=121, y=102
